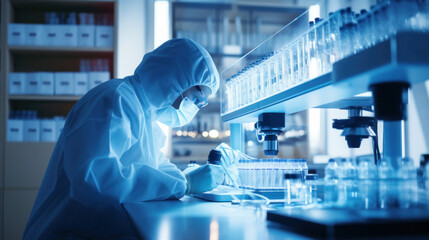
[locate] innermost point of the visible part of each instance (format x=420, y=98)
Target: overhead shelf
x=44, y=97
x=65, y=5
x=404, y=57
x=74, y=50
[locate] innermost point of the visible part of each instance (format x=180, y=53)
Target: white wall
x=131, y=35
x=418, y=124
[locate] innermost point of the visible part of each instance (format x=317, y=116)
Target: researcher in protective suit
x=109, y=150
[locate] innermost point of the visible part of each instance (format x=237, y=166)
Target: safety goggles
x=197, y=96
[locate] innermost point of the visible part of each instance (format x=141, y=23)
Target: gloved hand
x=230, y=158
x=204, y=178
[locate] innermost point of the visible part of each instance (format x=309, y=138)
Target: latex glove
x=204, y=178
x=230, y=158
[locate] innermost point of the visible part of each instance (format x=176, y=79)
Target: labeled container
x=103, y=36
x=95, y=78
x=52, y=32
x=68, y=35
x=64, y=83
x=80, y=83
x=16, y=34
x=86, y=35
x=48, y=130
x=46, y=83
x=35, y=34
x=31, y=130
x=17, y=83
x=32, y=83
x=15, y=130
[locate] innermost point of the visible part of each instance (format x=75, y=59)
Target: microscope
x=356, y=127
x=268, y=127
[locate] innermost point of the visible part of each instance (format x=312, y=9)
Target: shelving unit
x=23, y=163
x=44, y=49
x=258, y=22
x=43, y=98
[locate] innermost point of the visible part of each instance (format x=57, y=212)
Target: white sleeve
x=164, y=163
x=99, y=170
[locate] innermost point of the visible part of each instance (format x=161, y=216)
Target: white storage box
x=16, y=34
x=15, y=130
x=86, y=35
x=68, y=35
x=103, y=36
x=48, y=129
x=32, y=84
x=35, y=34
x=17, y=83
x=64, y=83
x=52, y=32
x=59, y=124
x=46, y=83
x=31, y=130
x=80, y=83
x=95, y=78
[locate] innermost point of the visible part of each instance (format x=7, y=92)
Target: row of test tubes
x=268, y=174
x=313, y=53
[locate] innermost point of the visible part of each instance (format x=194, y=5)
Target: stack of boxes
x=93, y=72
x=58, y=83
x=25, y=126
x=88, y=33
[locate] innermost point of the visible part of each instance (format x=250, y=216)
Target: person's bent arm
x=101, y=167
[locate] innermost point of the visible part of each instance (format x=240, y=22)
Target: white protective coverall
x=109, y=150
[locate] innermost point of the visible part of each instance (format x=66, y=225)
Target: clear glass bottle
x=331, y=169
x=312, y=182
x=331, y=183
x=408, y=170
x=294, y=189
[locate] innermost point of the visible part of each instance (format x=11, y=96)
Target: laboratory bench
x=193, y=218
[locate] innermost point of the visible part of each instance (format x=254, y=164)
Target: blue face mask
x=178, y=117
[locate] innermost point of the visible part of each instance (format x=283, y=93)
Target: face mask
x=178, y=117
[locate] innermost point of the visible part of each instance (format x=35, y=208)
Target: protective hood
x=171, y=69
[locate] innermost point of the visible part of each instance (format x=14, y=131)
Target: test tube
x=334, y=31
x=238, y=90
x=304, y=57
x=253, y=73
x=228, y=95
x=248, y=85
x=266, y=77
x=295, y=64
x=273, y=74
x=243, y=88
x=234, y=93
x=328, y=47
x=286, y=67
x=312, y=54
x=320, y=47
